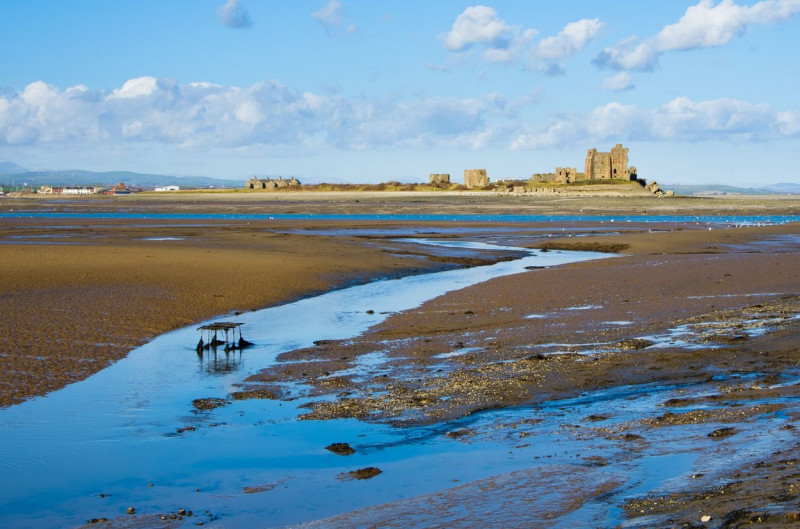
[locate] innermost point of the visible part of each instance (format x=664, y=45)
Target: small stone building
x=439, y=178
x=270, y=183
x=566, y=175
x=475, y=178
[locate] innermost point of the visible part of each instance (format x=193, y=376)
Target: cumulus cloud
x=481, y=27
x=618, y=83
x=204, y=115
x=268, y=115
x=233, y=15
x=477, y=24
x=681, y=119
x=704, y=25
x=331, y=16
x=551, y=51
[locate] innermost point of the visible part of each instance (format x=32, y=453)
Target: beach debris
x=213, y=341
x=341, y=449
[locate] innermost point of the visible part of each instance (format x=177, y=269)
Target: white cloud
x=478, y=25
x=140, y=86
x=703, y=25
x=549, y=53
x=270, y=117
x=569, y=40
x=680, y=119
x=481, y=26
x=233, y=15
x=707, y=25
x=331, y=16
x=618, y=83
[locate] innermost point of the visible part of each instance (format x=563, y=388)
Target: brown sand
x=73, y=304
x=69, y=309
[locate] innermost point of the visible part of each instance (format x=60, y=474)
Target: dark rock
x=722, y=432
x=362, y=473
x=634, y=344
x=254, y=394
x=340, y=449
x=209, y=403
x=597, y=417
x=455, y=434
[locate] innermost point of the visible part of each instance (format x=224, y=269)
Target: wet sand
x=73, y=304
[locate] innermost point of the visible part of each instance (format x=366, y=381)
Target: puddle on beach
x=130, y=437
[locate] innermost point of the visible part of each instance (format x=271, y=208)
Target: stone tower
x=607, y=165
x=475, y=178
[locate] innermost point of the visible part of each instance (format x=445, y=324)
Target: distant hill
x=11, y=168
x=710, y=190
x=80, y=177
x=782, y=189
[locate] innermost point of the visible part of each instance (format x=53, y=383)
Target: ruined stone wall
x=566, y=175
x=543, y=177
x=439, y=178
x=474, y=178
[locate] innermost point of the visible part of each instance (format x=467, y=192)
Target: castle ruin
x=439, y=178
x=607, y=165
x=566, y=175
x=475, y=178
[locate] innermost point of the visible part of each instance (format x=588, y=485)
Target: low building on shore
x=270, y=183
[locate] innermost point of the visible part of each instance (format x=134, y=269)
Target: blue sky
x=703, y=91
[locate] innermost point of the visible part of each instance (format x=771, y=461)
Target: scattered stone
x=455, y=434
x=97, y=520
x=722, y=432
x=705, y=519
x=186, y=429
x=131, y=510
x=340, y=449
x=634, y=344
x=254, y=394
x=209, y=403
x=597, y=417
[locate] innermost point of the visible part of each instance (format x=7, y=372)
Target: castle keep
x=607, y=165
